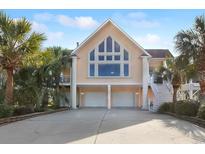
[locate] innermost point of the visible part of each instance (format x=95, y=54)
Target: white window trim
x=113, y=54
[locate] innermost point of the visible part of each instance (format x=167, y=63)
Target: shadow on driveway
x=96, y=125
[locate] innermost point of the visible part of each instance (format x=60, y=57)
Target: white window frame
x=113, y=54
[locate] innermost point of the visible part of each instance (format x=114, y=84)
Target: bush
x=5, y=111
x=172, y=107
x=2, y=91
x=201, y=112
x=188, y=108
x=21, y=110
x=165, y=107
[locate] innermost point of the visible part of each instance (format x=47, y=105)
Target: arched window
x=109, y=58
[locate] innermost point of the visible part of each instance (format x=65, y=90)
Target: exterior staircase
x=162, y=93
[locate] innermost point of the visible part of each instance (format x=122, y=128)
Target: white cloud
x=65, y=20
x=154, y=41
x=38, y=27
x=55, y=35
x=149, y=39
x=43, y=16
x=136, y=19
x=84, y=22
x=80, y=22
x=145, y=23
x=53, y=38
x=137, y=15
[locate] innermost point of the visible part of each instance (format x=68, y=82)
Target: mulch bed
x=194, y=120
x=4, y=121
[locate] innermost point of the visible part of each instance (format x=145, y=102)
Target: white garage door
x=95, y=99
x=123, y=99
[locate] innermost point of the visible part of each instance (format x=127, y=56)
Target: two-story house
x=110, y=69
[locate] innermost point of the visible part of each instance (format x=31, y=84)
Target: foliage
x=2, y=91
x=5, y=110
x=26, y=93
x=191, y=45
x=172, y=73
x=39, y=81
x=21, y=110
x=201, y=112
x=188, y=108
x=16, y=41
x=165, y=107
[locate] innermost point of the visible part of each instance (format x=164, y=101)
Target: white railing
x=169, y=86
x=65, y=79
x=189, y=89
x=155, y=91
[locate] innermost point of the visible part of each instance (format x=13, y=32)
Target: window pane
x=92, y=55
x=126, y=70
x=109, y=57
x=126, y=56
x=117, y=47
x=92, y=69
x=101, y=58
x=101, y=47
x=109, y=70
x=109, y=44
x=117, y=57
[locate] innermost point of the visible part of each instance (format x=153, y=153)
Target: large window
x=108, y=69
x=109, y=59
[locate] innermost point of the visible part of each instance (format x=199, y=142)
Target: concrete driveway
x=102, y=126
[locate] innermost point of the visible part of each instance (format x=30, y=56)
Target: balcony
x=65, y=80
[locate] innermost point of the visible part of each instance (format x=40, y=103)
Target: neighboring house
x=110, y=69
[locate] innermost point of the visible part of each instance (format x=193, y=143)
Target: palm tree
x=173, y=74
x=191, y=45
x=16, y=41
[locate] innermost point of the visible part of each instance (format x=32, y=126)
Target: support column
x=73, y=82
x=190, y=89
x=145, y=79
x=109, y=96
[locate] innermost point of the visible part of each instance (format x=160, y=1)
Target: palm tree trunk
x=9, y=86
x=174, y=95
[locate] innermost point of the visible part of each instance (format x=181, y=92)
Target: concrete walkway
x=102, y=126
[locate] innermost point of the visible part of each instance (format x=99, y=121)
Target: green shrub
x=172, y=107
x=5, y=111
x=2, y=92
x=21, y=110
x=165, y=107
x=201, y=112
x=188, y=108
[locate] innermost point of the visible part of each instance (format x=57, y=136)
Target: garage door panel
x=123, y=99
x=95, y=99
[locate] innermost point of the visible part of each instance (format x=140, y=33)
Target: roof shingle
x=159, y=53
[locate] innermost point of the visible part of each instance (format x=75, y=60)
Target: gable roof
x=159, y=53
x=115, y=25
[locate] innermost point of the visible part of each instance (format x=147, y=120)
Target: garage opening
x=123, y=99
x=95, y=99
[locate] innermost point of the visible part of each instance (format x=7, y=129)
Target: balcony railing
x=65, y=79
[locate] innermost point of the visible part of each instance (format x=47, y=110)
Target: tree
x=16, y=41
x=172, y=73
x=44, y=68
x=178, y=71
x=191, y=45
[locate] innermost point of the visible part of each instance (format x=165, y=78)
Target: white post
x=190, y=89
x=109, y=96
x=145, y=79
x=73, y=82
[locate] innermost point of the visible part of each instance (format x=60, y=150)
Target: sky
x=152, y=29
